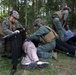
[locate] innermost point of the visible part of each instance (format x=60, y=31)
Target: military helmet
x=67, y=8
x=38, y=22
x=15, y=14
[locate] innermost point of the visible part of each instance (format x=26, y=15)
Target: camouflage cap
x=15, y=14
x=38, y=22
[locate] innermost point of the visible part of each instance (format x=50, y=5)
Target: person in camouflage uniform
x=58, y=21
x=11, y=26
x=44, y=50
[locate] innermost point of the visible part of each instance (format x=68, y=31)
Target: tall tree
x=25, y=13
x=62, y=4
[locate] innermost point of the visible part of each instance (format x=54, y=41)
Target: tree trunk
x=26, y=13
x=62, y=4
x=73, y=3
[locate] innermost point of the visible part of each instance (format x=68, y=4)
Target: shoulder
x=43, y=27
x=5, y=22
x=69, y=30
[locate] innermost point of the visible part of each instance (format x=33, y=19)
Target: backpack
x=59, y=13
x=50, y=36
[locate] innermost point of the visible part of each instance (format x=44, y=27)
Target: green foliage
x=7, y=3
x=36, y=8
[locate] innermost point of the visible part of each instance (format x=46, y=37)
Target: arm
x=65, y=15
x=5, y=27
x=42, y=30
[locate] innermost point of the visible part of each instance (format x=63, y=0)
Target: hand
x=17, y=31
x=23, y=28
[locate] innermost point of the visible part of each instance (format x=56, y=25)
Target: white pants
x=31, y=53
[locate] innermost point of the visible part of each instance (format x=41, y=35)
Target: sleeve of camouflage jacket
x=5, y=26
x=42, y=30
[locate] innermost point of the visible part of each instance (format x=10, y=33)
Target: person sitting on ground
x=31, y=60
x=44, y=50
x=69, y=36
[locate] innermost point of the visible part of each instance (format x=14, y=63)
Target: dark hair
x=65, y=25
x=66, y=9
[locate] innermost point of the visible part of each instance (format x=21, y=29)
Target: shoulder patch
x=5, y=23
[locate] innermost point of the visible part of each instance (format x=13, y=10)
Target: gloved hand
x=17, y=31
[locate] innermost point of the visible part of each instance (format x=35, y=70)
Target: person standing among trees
x=11, y=26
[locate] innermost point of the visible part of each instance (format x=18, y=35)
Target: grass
x=65, y=65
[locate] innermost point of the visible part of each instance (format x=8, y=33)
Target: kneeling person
x=31, y=60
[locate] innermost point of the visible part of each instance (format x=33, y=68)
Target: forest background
x=29, y=10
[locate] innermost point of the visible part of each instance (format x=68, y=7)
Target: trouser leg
x=25, y=60
x=67, y=47
x=70, y=48
x=72, y=41
x=61, y=48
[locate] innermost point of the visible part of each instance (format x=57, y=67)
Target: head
x=13, y=16
x=66, y=27
x=67, y=8
x=38, y=22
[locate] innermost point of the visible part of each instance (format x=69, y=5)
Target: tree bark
x=62, y=4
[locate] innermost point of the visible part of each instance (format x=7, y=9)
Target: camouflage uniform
x=57, y=25
x=15, y=41
x=43, y=50
x=57, y=22
x=6, y=25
